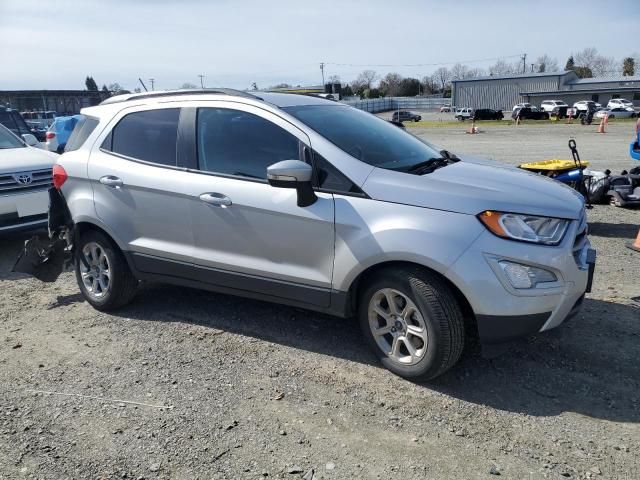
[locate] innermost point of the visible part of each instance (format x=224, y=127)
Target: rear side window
x=80, y=133
x=150, y=136
x=238, y=143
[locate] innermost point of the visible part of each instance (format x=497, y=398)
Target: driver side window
x=233, y=142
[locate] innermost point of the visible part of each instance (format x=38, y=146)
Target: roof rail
x=184, y=91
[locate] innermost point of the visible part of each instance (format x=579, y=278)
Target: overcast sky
x=55, y=44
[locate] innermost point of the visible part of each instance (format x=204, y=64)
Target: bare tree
x=188, y=85
x=459, y=71
x=442, y=76
x=501, y=68
x=547, y=64
x=431, y=84
x=605, y=66
x=475, y=72
x=367, y=77
x=586, y=58
x=390, y=84
x=334, y=79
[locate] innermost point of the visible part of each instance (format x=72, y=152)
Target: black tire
x=611, y=116
x=122, y=283
x=440, y=312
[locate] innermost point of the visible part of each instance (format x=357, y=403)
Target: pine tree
x=628, y=67
x=570, y=64
x=91, y=84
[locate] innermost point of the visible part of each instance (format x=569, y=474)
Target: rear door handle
x=111, y=181
x=217, y=199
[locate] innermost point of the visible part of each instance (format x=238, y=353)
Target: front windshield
x=365, y=136
x=8, y=139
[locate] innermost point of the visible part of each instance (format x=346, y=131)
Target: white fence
x=375, y=105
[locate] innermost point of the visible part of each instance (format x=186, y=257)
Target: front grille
x=13, y=220
x=36, y=180
x=580, y=240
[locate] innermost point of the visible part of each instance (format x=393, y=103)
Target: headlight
x=526, y=228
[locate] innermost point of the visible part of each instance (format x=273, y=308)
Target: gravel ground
x=193, y=385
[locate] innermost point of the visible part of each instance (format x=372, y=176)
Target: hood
x=25, y=159
x=473, y=185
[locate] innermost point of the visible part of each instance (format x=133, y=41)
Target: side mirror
x=30, y=139
x=293, y=174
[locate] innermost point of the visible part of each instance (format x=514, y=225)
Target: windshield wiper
x=428, y=166
x=451, y=156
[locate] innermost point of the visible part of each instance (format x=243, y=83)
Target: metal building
x=65, y=102
x=502, y=93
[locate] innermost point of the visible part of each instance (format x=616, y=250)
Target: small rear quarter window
x=82, y=130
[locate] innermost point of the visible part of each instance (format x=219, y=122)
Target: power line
x=420, y=64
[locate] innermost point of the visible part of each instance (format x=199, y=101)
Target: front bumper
x=23, y=211
x=504, y=313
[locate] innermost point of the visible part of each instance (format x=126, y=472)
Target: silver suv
x=307, y=202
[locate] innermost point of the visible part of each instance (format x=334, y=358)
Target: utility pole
x=322, y=70
x=532, y=67
x=201, y=80
x=152, y=82
x=524, y=63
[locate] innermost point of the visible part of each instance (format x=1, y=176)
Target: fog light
x=525, y=276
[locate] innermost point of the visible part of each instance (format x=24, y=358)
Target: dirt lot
x=193, y=385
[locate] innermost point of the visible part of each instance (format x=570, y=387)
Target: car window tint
x=150, y=136
x=328, y=177
x=80, y=133
x=238, y=143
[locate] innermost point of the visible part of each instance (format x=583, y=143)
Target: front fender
x=371, y=232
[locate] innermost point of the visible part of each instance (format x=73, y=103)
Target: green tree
x=571, y=64
x=628, y=67
x=583, y=72
x=91, y=84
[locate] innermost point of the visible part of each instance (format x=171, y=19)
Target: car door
x=249, y=235
x=138, y=191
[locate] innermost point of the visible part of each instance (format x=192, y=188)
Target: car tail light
x=50, y=135
x=59, y=176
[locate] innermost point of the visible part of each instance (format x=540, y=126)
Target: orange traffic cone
x=601, y=127
x=472, y=129
x=635, y=245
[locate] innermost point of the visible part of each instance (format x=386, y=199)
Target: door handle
x=217, y=199
x=111, y=181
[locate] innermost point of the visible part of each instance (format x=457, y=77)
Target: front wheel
x=413, y=322
x=104, y=277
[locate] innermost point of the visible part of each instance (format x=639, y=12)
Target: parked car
x=463, y=113
x=529, y=113
x=584, y=106
x=25, y=177
x=522, y=105
x=403, y=115
x=618, y=112
x=487, y=114
x=59, y=133
x=43, y=119
x=619, y=102
x=308, y=202
x=554, y=107
x=14, y=122
x=445, y=108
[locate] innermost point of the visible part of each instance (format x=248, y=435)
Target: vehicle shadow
x=588, y=366
x=613, y=230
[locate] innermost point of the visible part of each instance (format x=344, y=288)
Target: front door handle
x=111, y=181
x=217, y=199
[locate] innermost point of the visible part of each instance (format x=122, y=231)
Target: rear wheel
x=413, y=322
x=104, y=277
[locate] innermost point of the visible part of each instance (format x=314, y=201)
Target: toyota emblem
x=24, y=178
